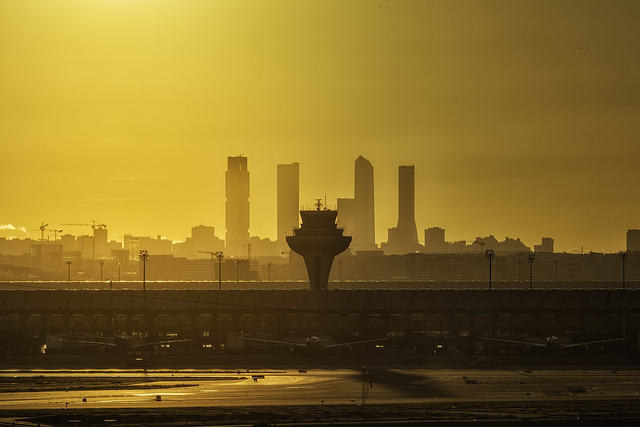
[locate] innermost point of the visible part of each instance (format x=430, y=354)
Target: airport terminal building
x=417, y=320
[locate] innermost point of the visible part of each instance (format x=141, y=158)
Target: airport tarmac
x=162, y=388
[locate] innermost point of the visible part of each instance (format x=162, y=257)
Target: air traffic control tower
x=318, y=240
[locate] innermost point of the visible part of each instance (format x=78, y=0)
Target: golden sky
x=522, y=117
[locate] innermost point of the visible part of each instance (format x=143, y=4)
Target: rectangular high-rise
x=288, y=201
x=364, y=233
x=237, y=206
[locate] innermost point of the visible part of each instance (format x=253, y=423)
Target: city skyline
x=520, y=118
x=240, y=164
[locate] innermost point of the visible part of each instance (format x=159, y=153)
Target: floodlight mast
x=531, y=258
x=623, y=256
x=220, y=257
x=69, y=271
x=490, y=253
x=144, y=256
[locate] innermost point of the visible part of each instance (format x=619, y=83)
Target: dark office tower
x=288, y=201
x=404, y=238
x=633, y=240
x=318, y=240
x=237, y=206
x=364, y=234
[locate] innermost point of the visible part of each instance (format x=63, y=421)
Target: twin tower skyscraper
x=356, y=215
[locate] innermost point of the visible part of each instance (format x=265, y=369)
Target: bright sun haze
x=521, y=117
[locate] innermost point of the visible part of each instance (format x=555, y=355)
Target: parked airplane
x=93, y=343
x=554, y=344
x=314, y=343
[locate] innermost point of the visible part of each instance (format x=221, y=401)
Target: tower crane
x=93, y=226
x=55, y=233
x=42, y=228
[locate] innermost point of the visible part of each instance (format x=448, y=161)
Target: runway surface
x=135, y=388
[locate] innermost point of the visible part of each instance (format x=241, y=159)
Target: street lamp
x=69, y=271
x=101, y=266
x=530, y=258
x=623, y=255
x=269, y=267
x=213, y=254
x=220, y=257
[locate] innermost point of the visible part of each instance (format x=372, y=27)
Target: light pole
x=269, y=267
x=212, y=263
x=220, y=257
x=101, y=266
x=490, y=254
x=623, y=255
x=237, y=270
x=68, y=271
x=530, y=258
x=144, y=256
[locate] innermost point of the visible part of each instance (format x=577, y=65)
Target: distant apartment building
x=101, y=241
x=237, y=206
x=168, y=267
x=633, y=240
x=434, y=240
x=202, y=241
x=545, y=247
x=15, y=246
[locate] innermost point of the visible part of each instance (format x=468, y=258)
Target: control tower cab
x=318, y=240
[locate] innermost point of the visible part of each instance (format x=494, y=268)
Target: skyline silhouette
x=238, y=206
x=520, y=118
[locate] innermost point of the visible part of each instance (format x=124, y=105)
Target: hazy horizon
x=519, y=116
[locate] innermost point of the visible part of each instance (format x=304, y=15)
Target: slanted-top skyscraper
x=288, y=201
x=237, y=206
x=357, y=215
x=404, y=238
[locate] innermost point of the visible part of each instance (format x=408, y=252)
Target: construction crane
x=93, y=226
x=42, y=228
x=55, y=234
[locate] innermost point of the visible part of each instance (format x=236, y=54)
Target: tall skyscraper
x=288, y=201
x=237, y=206
x=357, y=215
x=364, y=233
x=404, y=237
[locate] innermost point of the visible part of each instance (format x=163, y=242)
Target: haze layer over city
x=520, y=117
